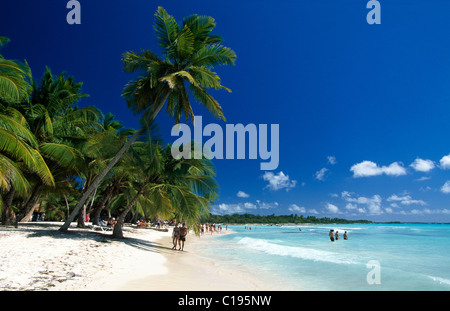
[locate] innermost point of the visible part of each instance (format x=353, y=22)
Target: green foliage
x=190, y=52
x=273, y=219
x=15, y=78
x=52, y=152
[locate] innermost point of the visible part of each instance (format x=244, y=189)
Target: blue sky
x=363, y=110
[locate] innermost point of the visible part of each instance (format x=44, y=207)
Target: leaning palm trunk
x=81, y=217
x=98, y=210
x=8, y=215
x=117, y=232
x=84, y=212
x=110, y=165
x=28, y=215
x=31, y=203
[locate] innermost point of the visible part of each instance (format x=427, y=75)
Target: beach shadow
x=34, y=230
x=145, y=245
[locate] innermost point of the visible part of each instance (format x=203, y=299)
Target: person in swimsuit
x=182, y=239
x=175, y=236
x=345, y=235
x=337, y=235
x=331, y=235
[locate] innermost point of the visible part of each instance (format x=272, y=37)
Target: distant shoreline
x=293, y=219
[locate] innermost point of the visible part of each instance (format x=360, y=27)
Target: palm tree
x=14, y=78
x=190, y=52
x=163, y=185
x=112, y=135
x=18, y=152
x=56, y=125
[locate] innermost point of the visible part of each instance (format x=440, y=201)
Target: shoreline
x=189, y=271
x=37, y=257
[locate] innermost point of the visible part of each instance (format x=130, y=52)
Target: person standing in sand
x=175, y=236
x=182, y=239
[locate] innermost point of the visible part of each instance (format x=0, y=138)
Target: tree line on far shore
x=276, y=219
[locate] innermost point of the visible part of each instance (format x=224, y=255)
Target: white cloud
x=264, y=205
x=279, y=181
x=446, y=187
x=405, y=200
x=332, y=208
x=248, y=205
x=421, y=165
x=369, y=168
x=370, y=205
x=331, y=160
x=320, y=175
x=426, y=211
x=423, y=178
x=242, y=194
x=445, y=162
x=224, y=209
x=297, y=209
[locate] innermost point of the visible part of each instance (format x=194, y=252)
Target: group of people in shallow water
x=334, y=236
x=211, y=228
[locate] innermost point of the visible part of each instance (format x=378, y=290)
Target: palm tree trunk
x=30, y=212
x=98, y=210
x=67, y=205
x=31, y=203
x=8, y=215
x=117, y=232
x=110, y=165
x=81, y=217
x=84, y=212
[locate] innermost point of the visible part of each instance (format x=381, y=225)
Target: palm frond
x=138, y=61
x=166, y=29
x=207, y=100
x=11, y=176
x=14, y=80
x=206, y=78
x=62, y=154
x=16, y=127
x=213, y=55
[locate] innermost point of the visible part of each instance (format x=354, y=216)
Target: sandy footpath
x=37, y=257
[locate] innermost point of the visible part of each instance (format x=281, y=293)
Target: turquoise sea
x=375, y=257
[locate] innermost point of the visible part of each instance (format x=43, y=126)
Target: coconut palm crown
x=190, y=52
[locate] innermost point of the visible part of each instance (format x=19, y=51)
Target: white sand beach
x=37, y=257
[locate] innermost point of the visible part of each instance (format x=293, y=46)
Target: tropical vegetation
x=276, y=219
x=69, y=161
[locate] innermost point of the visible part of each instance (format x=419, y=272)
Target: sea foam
x=295, y=251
